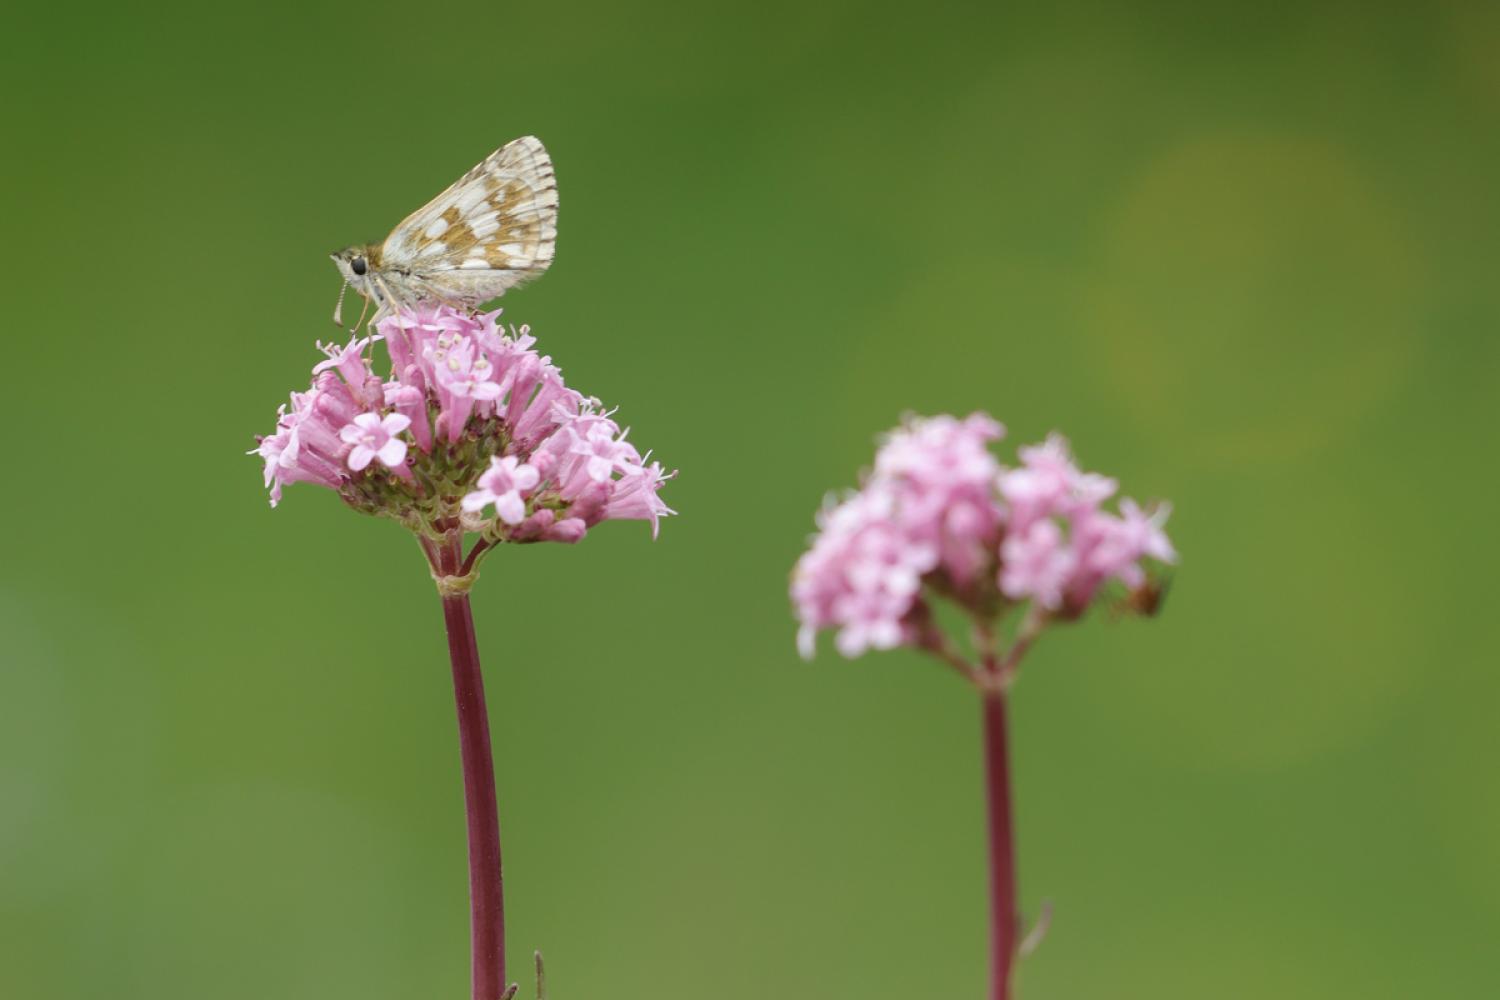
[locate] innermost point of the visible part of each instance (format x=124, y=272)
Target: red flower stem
x=474, y=554
x=1004, y=914
x=486, y=895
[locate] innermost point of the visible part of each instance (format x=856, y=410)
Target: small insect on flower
x=495, y=227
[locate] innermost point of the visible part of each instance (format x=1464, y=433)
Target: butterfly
x=492, y=229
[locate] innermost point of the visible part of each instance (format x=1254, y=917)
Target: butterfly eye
x=357, y=265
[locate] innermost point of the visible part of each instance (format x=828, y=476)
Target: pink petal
x=599, y=469
x=392, y=453
x=476, y=500
x=511, y=508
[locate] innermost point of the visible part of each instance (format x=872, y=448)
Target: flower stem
x=486, y=896
x=1004, y=914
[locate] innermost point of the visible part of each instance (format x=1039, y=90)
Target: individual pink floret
x=505, y=486
x=375, y=437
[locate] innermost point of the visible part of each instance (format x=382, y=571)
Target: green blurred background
x=1245, y=259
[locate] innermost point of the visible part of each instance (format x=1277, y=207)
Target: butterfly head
x=354, y=263
x=357, y=265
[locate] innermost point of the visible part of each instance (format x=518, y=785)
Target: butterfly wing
x=493, y=228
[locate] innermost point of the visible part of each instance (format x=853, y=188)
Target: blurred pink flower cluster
x=939, y=513
x=471, y=420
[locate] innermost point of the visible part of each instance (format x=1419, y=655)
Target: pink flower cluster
x=309, y=444
x=939, y=511
x=472, y=418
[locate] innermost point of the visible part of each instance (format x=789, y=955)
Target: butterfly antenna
x=541, y=978
x=338, y=307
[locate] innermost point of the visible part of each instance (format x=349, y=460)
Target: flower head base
x=471, y=420
x=940, y=517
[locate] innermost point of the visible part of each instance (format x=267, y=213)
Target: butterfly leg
x=390, y=304
x=363, y=309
